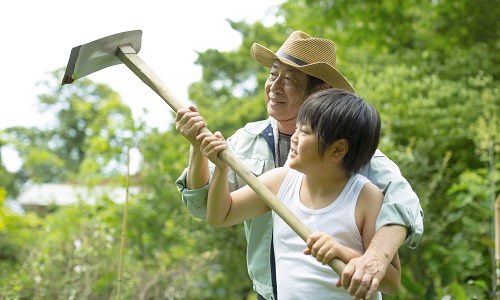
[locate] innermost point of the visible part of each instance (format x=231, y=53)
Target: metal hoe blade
x=99, y=54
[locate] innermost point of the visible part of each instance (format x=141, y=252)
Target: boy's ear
x=338, y=149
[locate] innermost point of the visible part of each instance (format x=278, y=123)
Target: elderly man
x=302, y=66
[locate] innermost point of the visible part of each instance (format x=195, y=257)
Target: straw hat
x=313, y=56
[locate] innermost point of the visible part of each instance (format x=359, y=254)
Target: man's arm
x=194, y=180
x=188, y=122
x=400, y=221
x=195, y=200
x=368, y=270
x=401, y=205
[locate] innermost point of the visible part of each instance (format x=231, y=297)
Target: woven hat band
x=291, y=58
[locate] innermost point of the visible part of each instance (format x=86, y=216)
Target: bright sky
x=38, y=37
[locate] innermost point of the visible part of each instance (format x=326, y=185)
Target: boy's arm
x=194, y=183
x=219, y=197
x=197, y=171
x=225, y=208
x=324, y=248
x=219, y=200
x=357, y=282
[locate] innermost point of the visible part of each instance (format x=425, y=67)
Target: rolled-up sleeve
x=195, y=200
x=401, y=204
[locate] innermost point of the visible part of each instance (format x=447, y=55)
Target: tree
x=93, y=127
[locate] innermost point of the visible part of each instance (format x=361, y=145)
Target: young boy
x=336, y=134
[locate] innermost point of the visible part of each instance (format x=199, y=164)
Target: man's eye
x=291, y=80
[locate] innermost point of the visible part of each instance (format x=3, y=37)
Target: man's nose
x=277, y=83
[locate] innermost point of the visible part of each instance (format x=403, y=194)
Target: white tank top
x=301, y=276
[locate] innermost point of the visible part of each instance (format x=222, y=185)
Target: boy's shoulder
x=370, y=194
x=274, y=178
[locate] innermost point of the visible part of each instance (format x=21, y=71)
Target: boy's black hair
x=335, y=114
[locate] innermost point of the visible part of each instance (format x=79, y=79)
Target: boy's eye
x=304, y=130
x=301, y=129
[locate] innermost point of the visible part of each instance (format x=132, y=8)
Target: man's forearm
x=382, y=251
x=373, y=270
x=384, y=246
x=387, y=241
x=197, y=171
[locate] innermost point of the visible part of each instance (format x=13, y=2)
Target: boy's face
x=304, y=152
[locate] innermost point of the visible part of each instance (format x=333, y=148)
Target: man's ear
x=338, y=149
x=324, y=86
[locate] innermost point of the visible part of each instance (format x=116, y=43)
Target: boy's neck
x=320, y=190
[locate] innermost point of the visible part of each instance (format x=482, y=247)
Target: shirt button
x=270, y=134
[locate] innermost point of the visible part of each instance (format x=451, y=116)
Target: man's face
x=286, y=90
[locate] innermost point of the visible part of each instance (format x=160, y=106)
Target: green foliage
x=430, y=67
x=16, y=237
x=7, y=179
x=92, y=130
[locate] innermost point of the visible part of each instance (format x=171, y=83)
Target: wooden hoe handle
x=132, y=60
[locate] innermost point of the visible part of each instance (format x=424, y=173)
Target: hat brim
x=323, y=71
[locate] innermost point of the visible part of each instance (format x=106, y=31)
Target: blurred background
x=431, y=68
